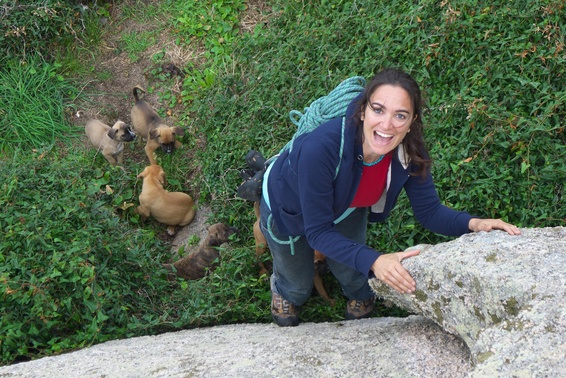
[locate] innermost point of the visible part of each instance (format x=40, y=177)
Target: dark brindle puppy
x=205, y=259
x=153, y=129
x=109, y=140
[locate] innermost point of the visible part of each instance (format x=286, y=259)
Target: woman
x=317, y=195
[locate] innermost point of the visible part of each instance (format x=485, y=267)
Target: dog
x=170, y=208
x=205, y=259
x=109, y=140
x=153, y=129
x=319, y=259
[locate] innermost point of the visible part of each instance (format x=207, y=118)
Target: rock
x=503, y=295
x=378, y=347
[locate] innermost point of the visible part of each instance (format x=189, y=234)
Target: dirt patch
x=115, y=73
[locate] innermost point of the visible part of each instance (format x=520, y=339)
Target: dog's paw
x=172, y=230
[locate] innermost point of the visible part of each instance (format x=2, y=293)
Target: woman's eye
x=377, y=110
x=401, y=116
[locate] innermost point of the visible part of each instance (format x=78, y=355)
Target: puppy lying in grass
x=206, y=258
x=170, y=208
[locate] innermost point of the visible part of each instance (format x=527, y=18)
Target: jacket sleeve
x=430, y=212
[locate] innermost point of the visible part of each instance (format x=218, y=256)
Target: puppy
x=170, y=208
x=153, y=129
x=205, y=259
x=109, y=140
x=319, y=258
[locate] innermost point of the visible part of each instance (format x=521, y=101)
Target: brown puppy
x=153, y=129
x=205, y=259
x=109, y=140
x=261, y=247
x=170, y=208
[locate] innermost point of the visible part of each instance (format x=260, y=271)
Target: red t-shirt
x=372, y=183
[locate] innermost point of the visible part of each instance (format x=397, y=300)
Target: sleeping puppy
x=153, y=129
x=109, y=140
x=319, y=258
x=170, y=208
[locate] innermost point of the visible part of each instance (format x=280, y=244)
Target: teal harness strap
x=291, y=241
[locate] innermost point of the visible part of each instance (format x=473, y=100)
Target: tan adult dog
x=206, y=258
x=109, y=140
x=170, y=208
x=261, y=247
x=153, y=129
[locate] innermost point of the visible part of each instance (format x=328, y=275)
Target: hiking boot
x=359, y=309
x=255, y=160
x=283, y=312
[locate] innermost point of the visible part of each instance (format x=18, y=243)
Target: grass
x=33, y=99
x=78, y=267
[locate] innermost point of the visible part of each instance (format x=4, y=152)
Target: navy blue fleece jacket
x=306, y=195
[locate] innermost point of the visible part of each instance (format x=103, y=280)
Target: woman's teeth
x=377, y=133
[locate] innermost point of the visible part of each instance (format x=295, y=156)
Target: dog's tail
x=135, y=90
x=79, y=114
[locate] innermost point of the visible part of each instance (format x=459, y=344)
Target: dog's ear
x=112, y=133
x=178, y=131
x=154, y=134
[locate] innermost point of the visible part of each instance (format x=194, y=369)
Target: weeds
x=33, y=98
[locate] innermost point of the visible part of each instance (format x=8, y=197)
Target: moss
x=438, y=312
x=482, y=357
x=514, y=325
x=460, y=284
x=495, y=319
x=421, y=295
x=511, y=306
x=492, y=257
x=433, y=286
x=550, y=328
x=479, y=314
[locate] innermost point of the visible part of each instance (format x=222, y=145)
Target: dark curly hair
x=414, y=141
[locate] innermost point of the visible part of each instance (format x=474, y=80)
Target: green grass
x=33, y=99
x=78, y=267
x=136, y=43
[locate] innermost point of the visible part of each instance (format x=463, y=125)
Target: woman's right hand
x=388, y=269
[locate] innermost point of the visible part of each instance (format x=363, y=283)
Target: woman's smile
x=387, y=119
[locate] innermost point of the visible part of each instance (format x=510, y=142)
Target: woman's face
x=387, y=118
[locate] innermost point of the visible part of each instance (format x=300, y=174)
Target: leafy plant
x=43, y=26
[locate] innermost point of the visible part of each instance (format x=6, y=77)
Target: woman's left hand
x=477, y=224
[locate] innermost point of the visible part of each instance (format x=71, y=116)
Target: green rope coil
x=325, y=108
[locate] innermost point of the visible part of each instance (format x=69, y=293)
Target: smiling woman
x=306, y=206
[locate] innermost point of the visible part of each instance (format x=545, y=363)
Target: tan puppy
x=153, y=129
x=170, y=208
x=109, y=140
x=205, y=259
x=261, y=247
